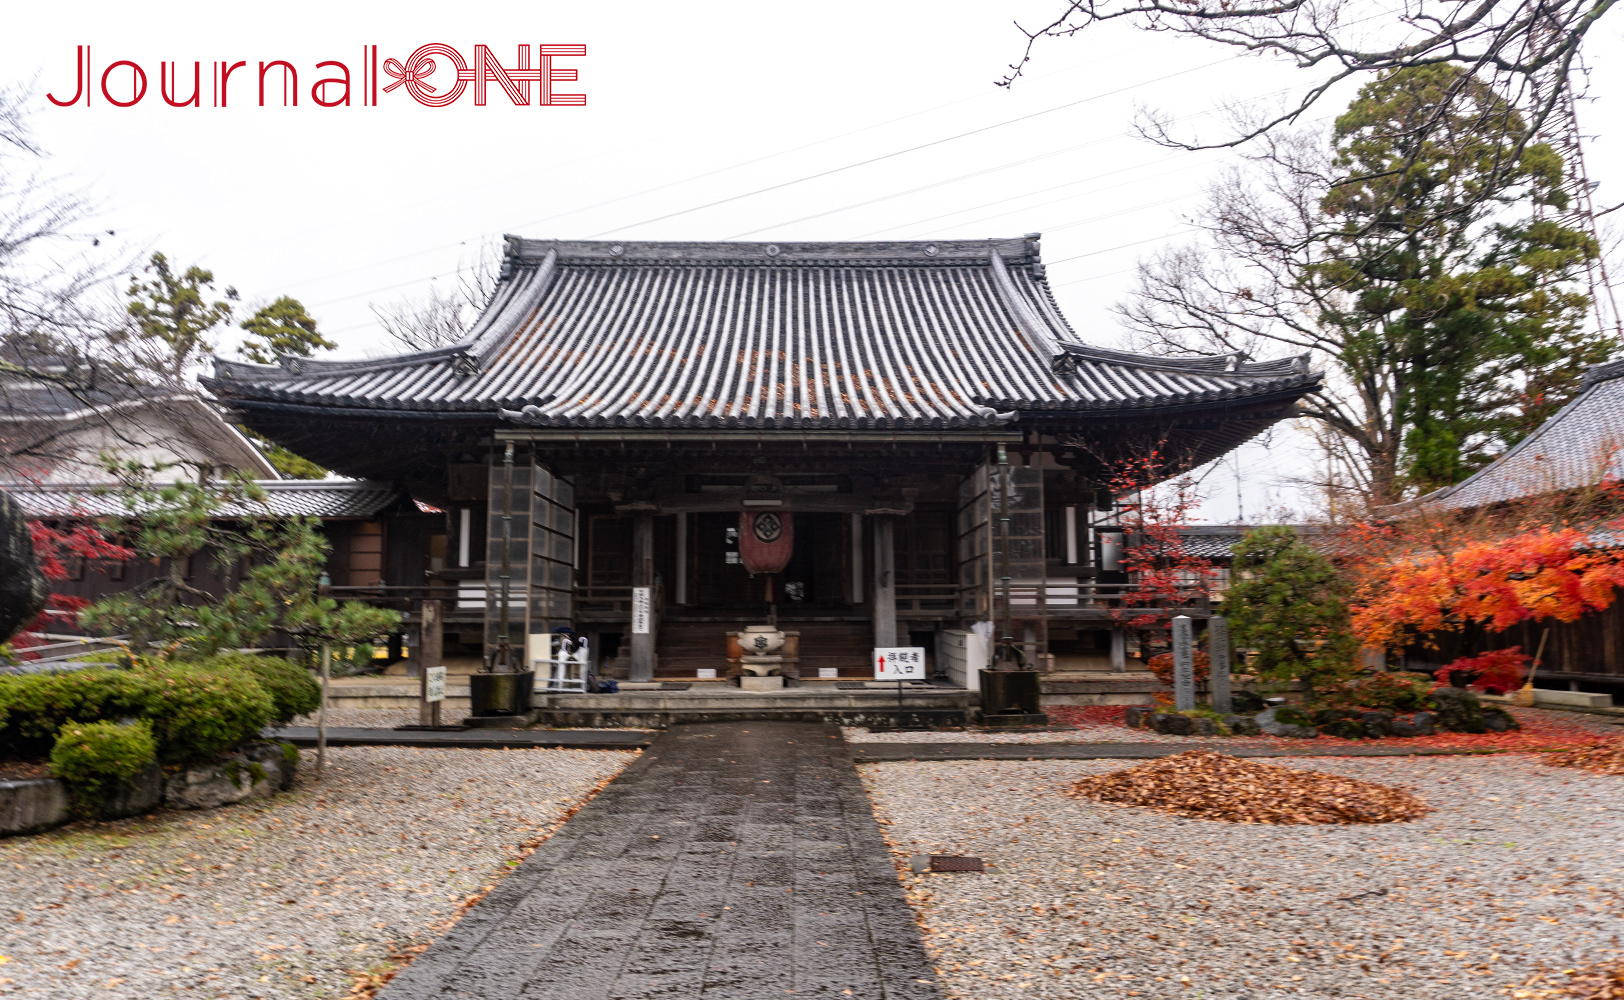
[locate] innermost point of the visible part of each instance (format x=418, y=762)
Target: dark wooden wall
x=1588, y=652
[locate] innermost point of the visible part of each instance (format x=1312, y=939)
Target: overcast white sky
x=687, y=106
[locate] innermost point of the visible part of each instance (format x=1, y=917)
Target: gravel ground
x=1101, y=724
x=1082, y=734
x=285, y=897
x=1520, y=867
x=389, y=718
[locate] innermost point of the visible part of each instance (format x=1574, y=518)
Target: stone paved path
x=736, y=861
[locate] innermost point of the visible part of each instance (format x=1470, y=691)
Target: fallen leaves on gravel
x=1596, y=983
x=1541, y=730
x=1203, y=784
x=1603, y=758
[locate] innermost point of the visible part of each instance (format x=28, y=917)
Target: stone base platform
x=934, y=706
x=1094, y=687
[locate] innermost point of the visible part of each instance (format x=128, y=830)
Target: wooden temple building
x=621, y=411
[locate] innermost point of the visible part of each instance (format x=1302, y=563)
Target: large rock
x=1134, y=716
x=1377, y=724
x=1459, y=711
x=1241, y=725
x=1172, y=725
x=1266, y=721
x=32, y=804
x=140, y=794
x=256, y=771
x=1498, y=720
x=1203, y=726
x=1426, y=722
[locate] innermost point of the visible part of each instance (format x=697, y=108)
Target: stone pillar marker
x=1119, y=651
x=1223, y=700
x=1183, y=664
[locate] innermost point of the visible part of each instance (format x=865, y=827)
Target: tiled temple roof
x=759, y=335
x=324, y=498
x=1581, y=445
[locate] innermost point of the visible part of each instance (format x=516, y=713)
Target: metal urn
x=761, y=640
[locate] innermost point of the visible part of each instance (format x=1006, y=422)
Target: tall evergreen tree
x=1422, y=268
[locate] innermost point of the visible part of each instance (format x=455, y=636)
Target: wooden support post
x=430, y=651
x=1119, y=651
x=885, y=582
x=856, y=558
x=321, y=713
x=682, y=559
x=642, y=666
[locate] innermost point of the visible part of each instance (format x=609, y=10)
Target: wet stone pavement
x=732, y=861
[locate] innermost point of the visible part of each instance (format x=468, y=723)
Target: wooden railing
x=599, y=602
x=1086, y=599
x=931, y=599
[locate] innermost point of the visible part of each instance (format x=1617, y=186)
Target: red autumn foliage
x=1496, y=583
x=54, y=549
x=1162, y=666
x=1498, y=671
x=1157, y=558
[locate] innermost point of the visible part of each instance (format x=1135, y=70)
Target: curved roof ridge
x=1225, y=364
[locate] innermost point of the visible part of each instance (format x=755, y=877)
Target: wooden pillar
x=885, y=582
x=430, y=651
x=856, y=558
x=681, y=581
x=1119, y=650
x=642, y=666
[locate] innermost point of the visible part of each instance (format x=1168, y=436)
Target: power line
x=911, y=149
x=508, y=179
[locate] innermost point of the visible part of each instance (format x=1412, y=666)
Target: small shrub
x=1494, y=672
x=195, y=712
x=93, y=758
x=1290, y=716
x=198, y=713
x=293, y=691
x=1393, y=692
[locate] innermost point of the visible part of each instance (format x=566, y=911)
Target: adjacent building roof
x=324, y=498
x=1581, y=445
x=952, y=333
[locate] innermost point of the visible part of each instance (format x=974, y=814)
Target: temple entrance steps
x=923, y=705
x=683, y=648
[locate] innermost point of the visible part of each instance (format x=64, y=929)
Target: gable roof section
x=1581, y=445
x=952, y=333
x=324, y=498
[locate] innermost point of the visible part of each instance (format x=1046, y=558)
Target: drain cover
x=955, y=863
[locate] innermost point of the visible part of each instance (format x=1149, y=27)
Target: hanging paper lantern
x=766, y=540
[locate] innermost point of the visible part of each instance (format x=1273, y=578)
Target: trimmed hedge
x=196, y=711
x=94, y=757
x=293, y=691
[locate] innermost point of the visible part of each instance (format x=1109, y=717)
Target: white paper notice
x=642, y=597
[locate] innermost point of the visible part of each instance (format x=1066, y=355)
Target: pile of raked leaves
x=1203, y=784
x=1603, y=758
